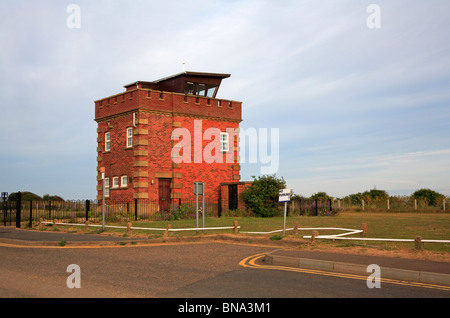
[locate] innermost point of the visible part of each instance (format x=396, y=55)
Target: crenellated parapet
x=168, y=102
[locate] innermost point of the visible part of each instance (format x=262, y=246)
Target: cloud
x=402, y=171
x=353, y=105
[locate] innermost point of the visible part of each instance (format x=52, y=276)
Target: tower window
x=115, y=182
x=106, y=187
x=124, y=181
x=224, y=142
x=129, y=137
x=108, y=141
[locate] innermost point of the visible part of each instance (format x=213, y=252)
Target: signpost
x=284, y=196
x=102, y=170
x=199, y=189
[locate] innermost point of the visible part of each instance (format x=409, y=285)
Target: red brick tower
x=156, y=139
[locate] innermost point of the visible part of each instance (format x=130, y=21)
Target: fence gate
x=10, y=210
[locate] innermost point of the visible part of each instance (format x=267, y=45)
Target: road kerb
x=316, y=264
x=350, y=268
x=402, y=274
x=435, y=278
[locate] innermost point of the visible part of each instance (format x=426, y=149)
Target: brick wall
x=224, y=199
x=156, y=115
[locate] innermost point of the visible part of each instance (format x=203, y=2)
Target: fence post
x=167, y=231
x=443, y=204
x=418, y=243
x=18, y=209
x=388, y=205
x=135, y=209
x=5, y=210
x=296, y=227
x=362, y=202
x=31, y=213
x=316, y=208
x=88, y=208
x=364, y=229
x=235, y=225
x=331, y=205
x=314, y=235
x=415, y=204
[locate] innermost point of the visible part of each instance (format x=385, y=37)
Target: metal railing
x=17, y=211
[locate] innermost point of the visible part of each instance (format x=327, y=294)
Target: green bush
x=431, y=197
x=276, y=237
x=262, y=196
x=320, y=196
x=181, y=212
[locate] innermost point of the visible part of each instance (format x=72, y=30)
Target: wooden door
x=164, y=194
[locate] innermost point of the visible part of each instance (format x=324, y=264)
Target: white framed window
x=124, y=181
x=129, y=137
x=115, y=182
x=108, y=141
x=224, y=142
x=107, y=187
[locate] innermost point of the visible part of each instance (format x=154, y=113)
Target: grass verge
x=379, y=225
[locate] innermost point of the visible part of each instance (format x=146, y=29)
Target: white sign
x=285, y=195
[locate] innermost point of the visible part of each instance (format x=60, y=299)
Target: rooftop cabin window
x=200, y=89
x=189, y=88
x=211, y=90
x=189, y=83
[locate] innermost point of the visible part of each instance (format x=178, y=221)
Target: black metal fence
x=8, y=213
x=17, y=212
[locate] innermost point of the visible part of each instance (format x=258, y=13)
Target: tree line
x=262, y=196
x=430, y=197
x=29, y=196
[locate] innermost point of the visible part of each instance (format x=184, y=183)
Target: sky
x=358, y=96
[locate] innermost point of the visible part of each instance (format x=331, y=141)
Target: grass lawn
x=404, y=225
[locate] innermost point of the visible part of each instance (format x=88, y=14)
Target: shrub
x=180, y=212
x=262, y=196
x=26, y=196
x=62, y=242
x=430, y=196
x=320, y=196
x=276, y=237
x=333, y=212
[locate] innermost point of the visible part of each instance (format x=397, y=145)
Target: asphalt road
x=183, y=270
